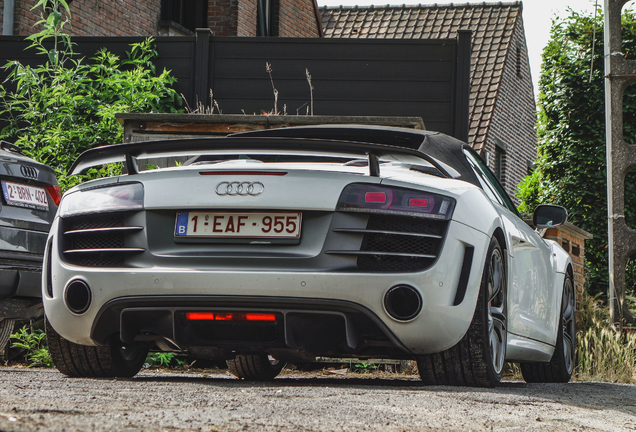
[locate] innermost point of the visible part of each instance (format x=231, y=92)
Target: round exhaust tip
x=403, y=302
x=77, y=296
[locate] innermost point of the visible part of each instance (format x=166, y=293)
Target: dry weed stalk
x=604, y=354
x=311, y=90
x=268, y=69
x=200, y=107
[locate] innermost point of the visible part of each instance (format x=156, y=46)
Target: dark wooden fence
x=363, y=77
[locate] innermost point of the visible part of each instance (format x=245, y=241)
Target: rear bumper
x=166, y=291
x=21, y=253
x=314, y=327
x=20, y=292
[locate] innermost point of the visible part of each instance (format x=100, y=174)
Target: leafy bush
x=67, y=105
x=571, y=165
x=164, y=359
x=37, y=353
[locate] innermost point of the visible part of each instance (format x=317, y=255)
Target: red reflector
x=260, y=317
x=418, y=202
x=261, y=173
x=229, y=316
x=375, y=197
x=199, y=316
x=55, y=193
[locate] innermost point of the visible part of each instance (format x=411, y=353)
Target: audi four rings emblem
x=29, y=172
x=240, y=188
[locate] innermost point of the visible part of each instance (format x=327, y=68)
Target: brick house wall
x=512, y=133
x=297, y=18
x=97, y=18
x=246, y=20
x=572, y=239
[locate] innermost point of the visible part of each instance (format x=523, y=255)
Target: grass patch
x=603, y=354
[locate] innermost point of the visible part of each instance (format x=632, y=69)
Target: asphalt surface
x=45, y=400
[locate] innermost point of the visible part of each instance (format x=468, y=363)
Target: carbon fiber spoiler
x=129, y=152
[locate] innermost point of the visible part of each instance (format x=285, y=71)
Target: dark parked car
x=30, y=195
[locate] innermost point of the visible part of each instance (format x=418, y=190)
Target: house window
x=499, y=164
x=188, y=14
x=500, y=153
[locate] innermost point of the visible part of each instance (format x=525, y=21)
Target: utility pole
x=621, y=158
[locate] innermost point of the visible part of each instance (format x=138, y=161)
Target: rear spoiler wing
x=129, y=152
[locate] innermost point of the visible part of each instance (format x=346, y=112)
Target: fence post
x=201, y=67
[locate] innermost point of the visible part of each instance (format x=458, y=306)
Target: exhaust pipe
x=77, y=296
x=403, y=302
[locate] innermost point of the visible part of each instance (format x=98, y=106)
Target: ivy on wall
x=571, y=165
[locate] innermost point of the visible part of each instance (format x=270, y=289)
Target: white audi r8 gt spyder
x=283, y=245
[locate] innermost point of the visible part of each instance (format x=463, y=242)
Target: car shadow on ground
x=586, y=395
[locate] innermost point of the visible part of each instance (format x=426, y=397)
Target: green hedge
x=571, y=165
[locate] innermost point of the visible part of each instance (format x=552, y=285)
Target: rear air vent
x=397, y=243
x=98, y=240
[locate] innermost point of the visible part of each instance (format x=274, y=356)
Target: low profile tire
x=113, y=360
x=255, y=367
x=6, y=328
x=561, y=367
x=478, y=359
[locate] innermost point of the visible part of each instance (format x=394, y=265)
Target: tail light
x=55, y=193
x=366, y=198
x=121, y=197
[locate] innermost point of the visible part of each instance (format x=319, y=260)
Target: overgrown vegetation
x=571, y=168
x=67, y=105
x=34, y=342
x=603, y=353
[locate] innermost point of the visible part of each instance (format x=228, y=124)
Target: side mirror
x=549, y=216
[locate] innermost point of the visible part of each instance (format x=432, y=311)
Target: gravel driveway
x=45, y=400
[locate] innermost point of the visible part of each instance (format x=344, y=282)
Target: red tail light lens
x=375, y=197
x=55, y=193
x=229, y=316
x=366, y=198
x=418, y=202
x=228, y=173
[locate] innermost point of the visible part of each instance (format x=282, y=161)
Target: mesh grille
x=213, y=331
x=95, y=240
x=387, y=243
x=96, y=221
x=380, y=263
x=400, y=244
x=407, y=225
x=102, y=259
x=103, y=240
